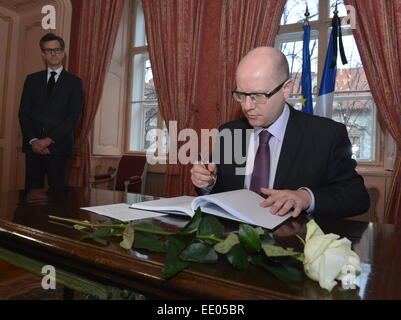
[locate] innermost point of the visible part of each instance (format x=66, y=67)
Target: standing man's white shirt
x=58, y=71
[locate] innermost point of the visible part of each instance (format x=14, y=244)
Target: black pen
x=205, y=163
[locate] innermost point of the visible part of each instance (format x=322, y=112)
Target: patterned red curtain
x=378, y=34
x=244, y=25
x=194, y=48
x=94, y=31
x=173, y=31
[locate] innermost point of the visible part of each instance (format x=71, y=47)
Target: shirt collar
x=277, y=128
x=58, y=71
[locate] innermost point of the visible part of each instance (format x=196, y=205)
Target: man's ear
x=287, y=88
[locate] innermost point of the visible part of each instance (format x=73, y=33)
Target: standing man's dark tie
x=261, y=167
x=51, y=83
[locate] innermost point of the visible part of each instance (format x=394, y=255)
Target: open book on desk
x=239, y=205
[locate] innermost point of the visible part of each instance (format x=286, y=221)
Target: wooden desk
x=25, y=229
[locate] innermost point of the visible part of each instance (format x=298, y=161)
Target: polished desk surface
x=25, y=228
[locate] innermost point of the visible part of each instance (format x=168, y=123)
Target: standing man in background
x=51, y=107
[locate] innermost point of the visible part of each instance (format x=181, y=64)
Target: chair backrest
x=129, y=166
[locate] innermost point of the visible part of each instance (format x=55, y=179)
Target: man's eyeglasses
x=257, y=98
x=49, y=51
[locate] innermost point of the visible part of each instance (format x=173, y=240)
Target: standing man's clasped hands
x=40, y=146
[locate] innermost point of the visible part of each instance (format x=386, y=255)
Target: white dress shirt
x=58, y=71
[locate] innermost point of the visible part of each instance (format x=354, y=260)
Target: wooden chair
x=130, y=175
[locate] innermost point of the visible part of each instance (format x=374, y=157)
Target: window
x=353, y=103
x=145, y=117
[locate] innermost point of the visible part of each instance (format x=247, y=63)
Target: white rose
x=326, y=255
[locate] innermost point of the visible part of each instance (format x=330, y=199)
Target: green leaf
x=148, y=226
x=116, y=221
x=210, y=225
x=199, y=252
x=100, y=233
x=116, y=232
x=79, y=227
x=249, y=238
x=266, y=238
x=227, y=244
x=193, y=224
x=128, y=238
x=237, y=257
x=173, y=264
x=259, y=231
x=276, y=251
x=149, y=242
x=280, y=271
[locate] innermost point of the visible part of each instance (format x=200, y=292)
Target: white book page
x=244, y=205
x=122, y=212
x=177, y=205
x=215, y=210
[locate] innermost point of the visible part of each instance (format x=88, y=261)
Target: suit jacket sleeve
x=343, y=193
x=25, y=111
x=75, y=110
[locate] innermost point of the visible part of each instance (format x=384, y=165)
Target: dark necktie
x=261, y=167
x=51, y=83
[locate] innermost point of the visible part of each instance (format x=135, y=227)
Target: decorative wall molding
x=24, y=4
x=110, y=100
x=33, y=25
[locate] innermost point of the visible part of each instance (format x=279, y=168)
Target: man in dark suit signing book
x=296, y=161
x=51, y=107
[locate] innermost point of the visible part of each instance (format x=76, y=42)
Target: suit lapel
x=292, y=141
x=238, y=181
x=43, y=83
x=42, y=87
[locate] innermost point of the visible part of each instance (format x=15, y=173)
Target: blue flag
x=324, y=105
x=307, y=102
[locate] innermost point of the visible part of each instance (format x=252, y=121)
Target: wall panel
x=108, y=132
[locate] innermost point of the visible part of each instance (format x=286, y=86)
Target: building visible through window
x=353, y=103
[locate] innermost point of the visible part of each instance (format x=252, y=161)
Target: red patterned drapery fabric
x=244, y=25
x=93, y=34
x=173, y=30
x=194, y=48
x=378, y=34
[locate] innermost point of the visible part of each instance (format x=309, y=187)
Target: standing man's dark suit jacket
x=316, y=153
x=55, y=117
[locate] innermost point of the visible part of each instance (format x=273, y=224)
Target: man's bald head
x=262, y=71
x=267, y=62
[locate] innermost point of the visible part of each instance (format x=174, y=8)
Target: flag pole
x=307, y=14
x=306, y=79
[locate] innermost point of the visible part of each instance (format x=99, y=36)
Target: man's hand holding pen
x=203, y=174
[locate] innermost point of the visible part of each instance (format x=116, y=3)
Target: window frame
x=322, y=27
x=132, y=51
